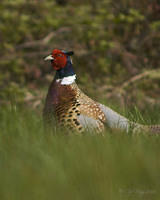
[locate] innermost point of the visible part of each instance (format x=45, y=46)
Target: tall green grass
x=40, y=165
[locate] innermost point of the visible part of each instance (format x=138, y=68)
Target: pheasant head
x=62, y=63
x=59, y=58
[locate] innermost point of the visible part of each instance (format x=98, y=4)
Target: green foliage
x=36, y=164
x=113, y=40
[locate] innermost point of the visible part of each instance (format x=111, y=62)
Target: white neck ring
x=67, y=80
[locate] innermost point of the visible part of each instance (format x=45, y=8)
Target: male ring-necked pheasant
x=69, y=106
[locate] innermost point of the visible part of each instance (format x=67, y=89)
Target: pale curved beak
x=50, y=57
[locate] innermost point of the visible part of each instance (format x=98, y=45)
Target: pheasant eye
x=60, y=55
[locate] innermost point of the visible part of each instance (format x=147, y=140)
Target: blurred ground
x=38, y=165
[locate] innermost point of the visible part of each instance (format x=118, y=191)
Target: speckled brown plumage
x=65, y=103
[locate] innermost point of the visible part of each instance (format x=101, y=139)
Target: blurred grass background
x=36, y=164
x=116, y=45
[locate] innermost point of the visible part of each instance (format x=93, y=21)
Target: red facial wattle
x=60, y=59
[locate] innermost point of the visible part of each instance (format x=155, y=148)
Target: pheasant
x=71, y=108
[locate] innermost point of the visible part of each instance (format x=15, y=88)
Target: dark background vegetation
x=116, y=45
